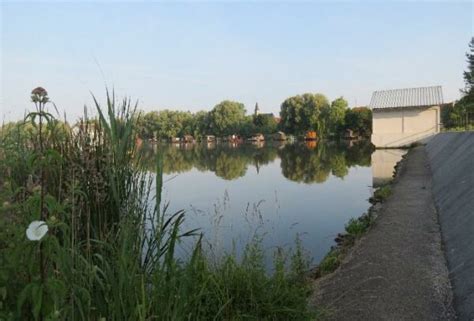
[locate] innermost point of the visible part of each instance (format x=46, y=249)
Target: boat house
x=401, y=117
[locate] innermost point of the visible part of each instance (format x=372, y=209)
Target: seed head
x=39, y=95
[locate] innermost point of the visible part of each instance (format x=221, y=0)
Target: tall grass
x=110, y=253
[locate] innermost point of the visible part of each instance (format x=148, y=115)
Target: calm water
x=277, y=191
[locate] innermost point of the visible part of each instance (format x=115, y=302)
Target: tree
x=462, y=112
x=265, y=123
x=303, y=112
x=201, y=124
x=359, y=120
x=247, y=127
x=335, y=115
x=469, y=74
x=147, y=125
x=226, y=117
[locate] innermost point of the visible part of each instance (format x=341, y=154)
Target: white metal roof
x=408, y=97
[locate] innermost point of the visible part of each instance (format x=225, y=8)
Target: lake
x=276, y=191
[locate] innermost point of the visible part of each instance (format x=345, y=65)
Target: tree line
x=298, y=114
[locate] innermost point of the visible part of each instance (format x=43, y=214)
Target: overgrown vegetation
x=109, y=252
x=381, y=194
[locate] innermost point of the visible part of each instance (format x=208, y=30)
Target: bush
x=381, y=194
x=357, y=227
x=330, y=262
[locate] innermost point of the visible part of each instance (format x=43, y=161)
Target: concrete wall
x=402, y=126
x=451, y=158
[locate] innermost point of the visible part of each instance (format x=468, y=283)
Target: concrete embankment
x=451, y=157
x=397, y=271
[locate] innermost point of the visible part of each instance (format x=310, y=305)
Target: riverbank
x=397, y=271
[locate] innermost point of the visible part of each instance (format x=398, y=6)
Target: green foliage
x=110, y=253
x=313, y=112
x=381, y=194
x=460, y=116
x=335, y=116
x=330, y=262
x=298, y=114
x=469, y=73
x=227, y=117
x=359, y=120
x=357, y=227
x=302, y=113
x=265, y=124
x=166, y=123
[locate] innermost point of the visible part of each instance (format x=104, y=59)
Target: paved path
x=452, y=161
x=398, y=270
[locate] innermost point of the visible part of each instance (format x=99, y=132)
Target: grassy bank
x=105, y=248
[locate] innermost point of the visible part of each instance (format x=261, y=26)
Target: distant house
x=310, y=135
x=404, y=116
x=232, y=138
x=210, y=138
x=187, y=139
x=257, y=138
x=269, y=115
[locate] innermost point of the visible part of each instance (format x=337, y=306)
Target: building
x=210, y=138
x=257, y=138
x=401, y=117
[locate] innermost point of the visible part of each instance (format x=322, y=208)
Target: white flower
x=37, y=230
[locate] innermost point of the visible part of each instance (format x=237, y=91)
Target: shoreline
x=346, y=240
x=397, y=269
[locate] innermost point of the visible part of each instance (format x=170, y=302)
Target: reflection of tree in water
x=359, y=154
x=229, y=167
x=177, y=161
x=338, y=165
x=298, y=162
x=302, y=164
x=225, y=161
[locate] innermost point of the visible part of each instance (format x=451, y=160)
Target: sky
x=192, y=55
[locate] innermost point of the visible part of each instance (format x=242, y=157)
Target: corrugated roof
x=408, y=97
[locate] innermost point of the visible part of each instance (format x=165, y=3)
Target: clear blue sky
x=190, y=56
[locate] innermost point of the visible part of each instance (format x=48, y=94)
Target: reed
x=110, y=250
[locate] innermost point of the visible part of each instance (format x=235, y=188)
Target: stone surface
x=451, y=157
x=397, y=271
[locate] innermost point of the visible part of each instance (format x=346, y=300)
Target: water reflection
x=304, y=163
x=383, y=165
x=231, y=192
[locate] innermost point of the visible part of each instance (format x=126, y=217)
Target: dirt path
x=398, y=270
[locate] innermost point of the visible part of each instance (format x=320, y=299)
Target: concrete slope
x=398, y=270
x=451, y=157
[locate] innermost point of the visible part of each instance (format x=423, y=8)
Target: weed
x=110, y=253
